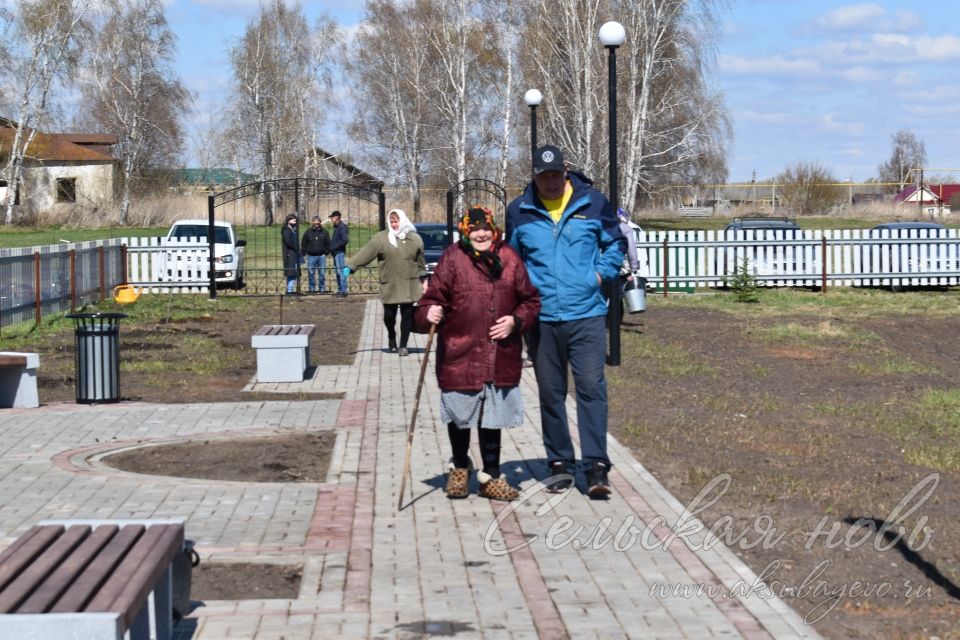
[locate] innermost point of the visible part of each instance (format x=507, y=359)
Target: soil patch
x=294, y=457
x=237, y=581
x=815, y=431
x=206, y=356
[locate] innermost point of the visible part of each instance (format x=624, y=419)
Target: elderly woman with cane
x=481, y=300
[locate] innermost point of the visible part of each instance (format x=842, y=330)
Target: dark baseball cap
x=547, y=158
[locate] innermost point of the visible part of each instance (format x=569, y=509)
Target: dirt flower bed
x=185, y=348
x=810, y=430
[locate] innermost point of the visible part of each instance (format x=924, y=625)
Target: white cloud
x=906, y=79
x=933, y=111
x=749, y=115
x=861, y=74
x=863, y=18
x=830, y=122
x=888, y=48
x=771, y=65
x=933, y=93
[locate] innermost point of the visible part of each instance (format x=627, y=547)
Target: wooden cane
x=413, y=418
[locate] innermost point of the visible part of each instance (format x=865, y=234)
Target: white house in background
x=933, y=199
x=61, y=171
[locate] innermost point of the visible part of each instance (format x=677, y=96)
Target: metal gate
x=257, y=211
x=473, y=192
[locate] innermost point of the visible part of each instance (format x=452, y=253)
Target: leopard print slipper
x=458, y=481
x=495, y=488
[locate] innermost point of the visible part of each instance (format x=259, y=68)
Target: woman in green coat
x=399, y=254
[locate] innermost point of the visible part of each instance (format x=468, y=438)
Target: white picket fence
x=161, y=265
x=784, y=258
x=698, y=258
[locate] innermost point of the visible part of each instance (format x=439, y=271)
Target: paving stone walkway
x=544, y=567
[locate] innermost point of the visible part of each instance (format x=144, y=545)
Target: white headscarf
x=405, y=226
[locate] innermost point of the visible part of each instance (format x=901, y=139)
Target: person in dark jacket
x=569, y=237
x=291, y=252
x=481, y=300
x=339, y=239
x=316, y=246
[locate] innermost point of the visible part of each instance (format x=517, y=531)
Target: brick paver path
x=548, y=567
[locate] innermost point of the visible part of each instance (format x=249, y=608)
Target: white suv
x=228, y=259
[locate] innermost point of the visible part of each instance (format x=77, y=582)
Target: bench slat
x=86, y=586
x=19, y=542
x=64, y=575
x=24, y=554
x=13, y=361
x=36, y=572
x=146, y=563
x=285, y=330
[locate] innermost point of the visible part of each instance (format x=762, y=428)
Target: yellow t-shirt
x=556, y=206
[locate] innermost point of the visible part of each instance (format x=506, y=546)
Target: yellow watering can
x=125, y=294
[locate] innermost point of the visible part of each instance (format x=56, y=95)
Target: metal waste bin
x=97, y=341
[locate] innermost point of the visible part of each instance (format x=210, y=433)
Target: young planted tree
x=132, y=90
x=281, y=68
x=907, y=154
x=42, y=52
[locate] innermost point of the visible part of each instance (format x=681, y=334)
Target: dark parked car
x=767, y=259
x=435, y=241
x=763, y=224
x=918, y=257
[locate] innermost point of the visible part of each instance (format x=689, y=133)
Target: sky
x=805, y=80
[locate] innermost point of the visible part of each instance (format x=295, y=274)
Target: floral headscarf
x=475, y=218
x=402, y=230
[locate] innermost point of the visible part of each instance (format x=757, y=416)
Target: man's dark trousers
x=582, y=344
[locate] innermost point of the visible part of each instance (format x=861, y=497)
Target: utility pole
x=920, y=192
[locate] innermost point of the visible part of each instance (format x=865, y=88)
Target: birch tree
x=281, y=67
x=505, y=20
x=566, y=61
x=907, y=154
x=389, y=75
x=43, y=52
x=670, y=124
x=673, y=125
x=133, y=92
x=461, y=54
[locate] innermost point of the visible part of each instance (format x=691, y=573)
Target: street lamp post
x=533, y=98
x=612, y=36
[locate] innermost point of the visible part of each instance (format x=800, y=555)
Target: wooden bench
x=90, y=579
x=283, y=352
x=18, y=380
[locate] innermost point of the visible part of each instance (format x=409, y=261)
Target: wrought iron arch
x=256, y=208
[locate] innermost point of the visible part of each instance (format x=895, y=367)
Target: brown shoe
x=458, y=481
x=495, y=488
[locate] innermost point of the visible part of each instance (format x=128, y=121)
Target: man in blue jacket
x=339, y=239
x=569, y=238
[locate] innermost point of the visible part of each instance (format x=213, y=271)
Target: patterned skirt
x=491, y=407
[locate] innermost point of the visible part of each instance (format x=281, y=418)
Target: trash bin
x=97, y=341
